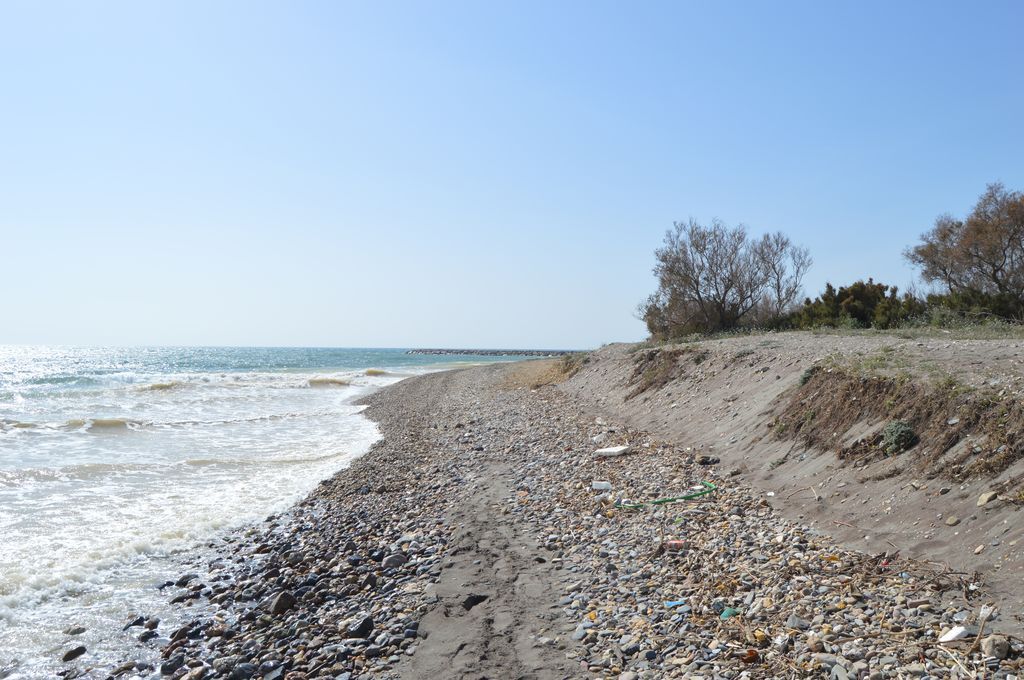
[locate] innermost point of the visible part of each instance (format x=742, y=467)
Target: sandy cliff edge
x=725, y=396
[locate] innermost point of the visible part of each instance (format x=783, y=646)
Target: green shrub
x=897, y=437
x=862, y=304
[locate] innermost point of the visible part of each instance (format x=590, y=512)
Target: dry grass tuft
x=537, y=373
x=655, y=368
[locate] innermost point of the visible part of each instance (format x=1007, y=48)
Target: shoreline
x=468, y=543
x=94, y=518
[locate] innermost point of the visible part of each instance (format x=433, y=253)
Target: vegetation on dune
x=979, y=259
x=862, y=304
x=945, y=428
x=536, y=373
x=714, y=279
x=573, y=363
x=655, y=368
x=897, y=437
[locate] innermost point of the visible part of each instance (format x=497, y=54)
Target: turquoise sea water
x=114, y=461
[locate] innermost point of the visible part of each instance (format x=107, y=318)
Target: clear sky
x=468, y=174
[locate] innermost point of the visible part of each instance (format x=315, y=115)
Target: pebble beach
x=484, y=537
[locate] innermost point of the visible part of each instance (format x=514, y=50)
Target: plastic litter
x=954, y=633
x=708, y=488
x=675, y=546
x=728, y=613
x=671, y=604
x=612, y=451
x=598, y=485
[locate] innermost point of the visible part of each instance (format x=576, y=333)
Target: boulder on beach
x=282, y=603
x=360, y=627
x=393, y=561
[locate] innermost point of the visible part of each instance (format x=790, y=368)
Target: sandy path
x=495, y=595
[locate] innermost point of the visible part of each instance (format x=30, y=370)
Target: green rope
x=709, y=488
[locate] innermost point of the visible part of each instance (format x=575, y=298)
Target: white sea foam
x=100, y=493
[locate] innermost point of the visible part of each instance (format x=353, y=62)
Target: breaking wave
x=329, y=382
x=162, y=386
x=113, y=424
x=103, y=424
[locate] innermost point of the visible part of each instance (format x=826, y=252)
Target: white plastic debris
x=954, y=633
x=598, y=485
x=612, y=451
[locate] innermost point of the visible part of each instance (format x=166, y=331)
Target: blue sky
x=468, y=174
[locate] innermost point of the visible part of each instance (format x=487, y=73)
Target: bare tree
x=982, y=254
x=715, y=278
x=785, y=265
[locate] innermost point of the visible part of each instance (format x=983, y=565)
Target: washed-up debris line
x=675, y=582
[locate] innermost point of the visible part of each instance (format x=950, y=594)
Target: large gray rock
x=995, y=645
x=282, y=603
x=393, y=561
x=173, y=664
x=798, y=623
x=361, y=627
x=243, y=671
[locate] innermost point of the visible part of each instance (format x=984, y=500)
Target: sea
x=116, y=464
